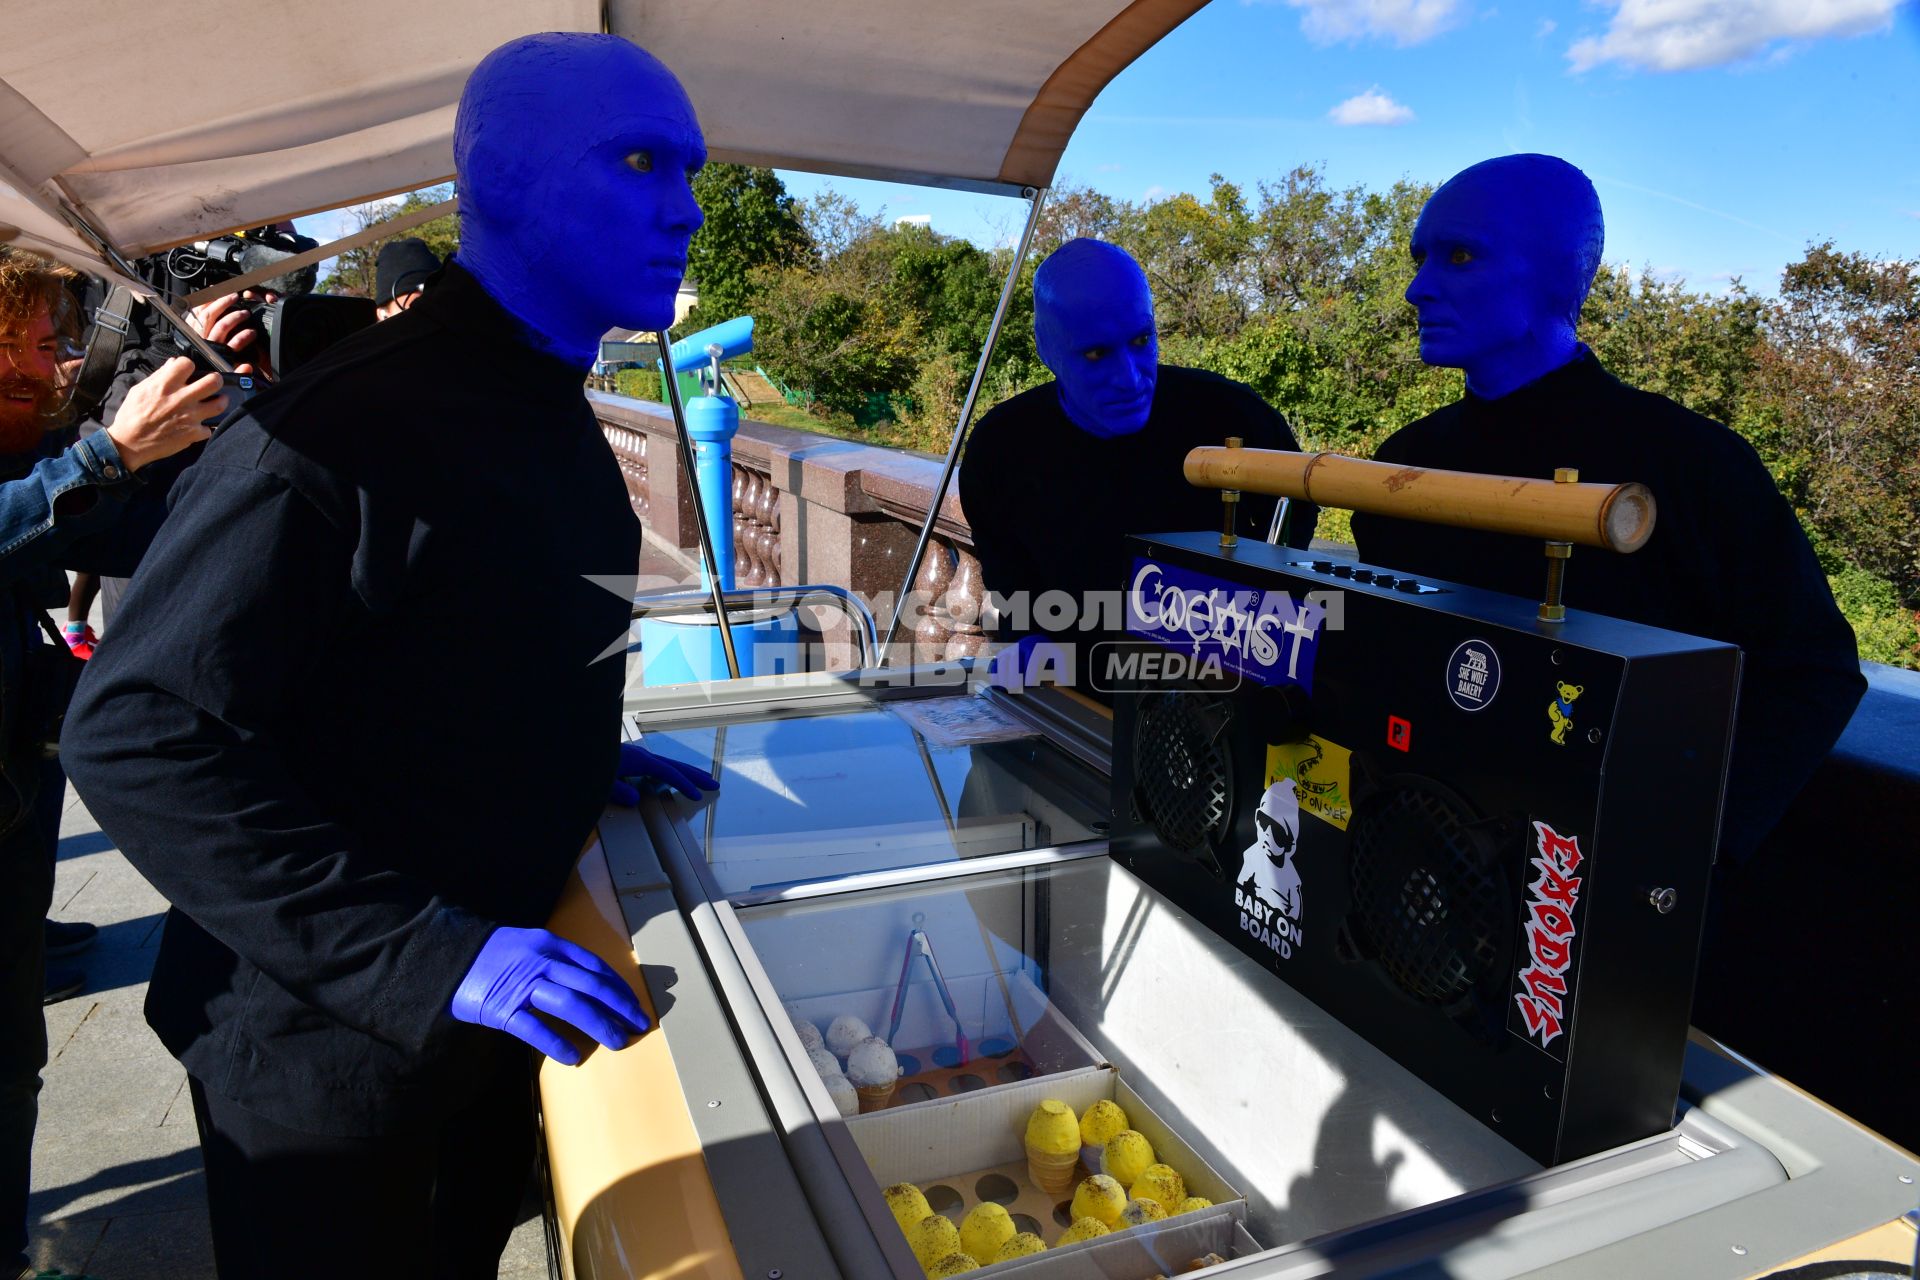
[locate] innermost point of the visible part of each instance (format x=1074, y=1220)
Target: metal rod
x=960, y=427
x=685, y=443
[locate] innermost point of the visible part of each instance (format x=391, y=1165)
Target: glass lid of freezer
x=888, y=784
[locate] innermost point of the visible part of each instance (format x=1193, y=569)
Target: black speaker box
x=1480, y=840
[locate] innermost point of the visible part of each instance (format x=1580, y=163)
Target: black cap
x=403, y=266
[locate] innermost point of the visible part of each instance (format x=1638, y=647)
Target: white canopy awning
x=162, y=121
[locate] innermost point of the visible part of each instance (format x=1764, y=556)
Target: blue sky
x=1723, y=135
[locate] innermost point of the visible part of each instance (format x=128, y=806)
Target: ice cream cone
x=875, y=1097
x=1052, y=1171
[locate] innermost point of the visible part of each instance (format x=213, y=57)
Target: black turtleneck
x=337, y=725
x=1727, y=559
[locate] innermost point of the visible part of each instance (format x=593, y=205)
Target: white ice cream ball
x=823, y=1062
x=809, y=1034
x=872, y=1062
x=843, y=1094
x=845, y=1032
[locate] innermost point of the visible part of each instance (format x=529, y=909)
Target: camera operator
x=117, y=362
x=95, y=505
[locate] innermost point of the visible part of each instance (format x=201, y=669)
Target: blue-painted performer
x=1506, y=251
x=345, y=743
x=1055, y=478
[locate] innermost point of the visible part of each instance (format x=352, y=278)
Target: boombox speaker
x=1480, y=840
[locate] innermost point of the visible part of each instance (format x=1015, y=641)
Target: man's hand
x=520, y=971
x=165, y=413
x=638, y=762
x=224, y=321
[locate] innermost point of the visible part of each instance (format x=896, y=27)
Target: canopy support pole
x=685, y=443
x=1038, y=196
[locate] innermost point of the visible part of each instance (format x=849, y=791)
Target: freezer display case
x=864, y=1029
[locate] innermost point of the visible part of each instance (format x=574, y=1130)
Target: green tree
x=751, y=223
x=1835, y=407
x=353, y=271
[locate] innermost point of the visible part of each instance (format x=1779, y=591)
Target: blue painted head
x=1093, y=323
x=1506, y=251
x=575, y=154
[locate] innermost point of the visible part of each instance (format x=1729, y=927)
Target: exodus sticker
x=1549, y=925
x=1322, y=774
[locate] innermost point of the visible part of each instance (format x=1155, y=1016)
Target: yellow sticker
x=1322, y=774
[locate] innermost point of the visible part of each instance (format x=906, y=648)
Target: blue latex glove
x=521, y=970
x=638, y=762
x=1033, y=661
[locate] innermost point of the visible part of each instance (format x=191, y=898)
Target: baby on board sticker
x=1268, y=891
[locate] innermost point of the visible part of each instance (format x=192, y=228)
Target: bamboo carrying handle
x=1618, y=517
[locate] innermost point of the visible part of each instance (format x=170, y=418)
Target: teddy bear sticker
x=1560, y=710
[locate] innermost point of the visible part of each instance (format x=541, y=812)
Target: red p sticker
x=1399, y=734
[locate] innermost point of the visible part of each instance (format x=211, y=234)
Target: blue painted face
x=576, y=155
x=1093, y=323
x=1505, y=251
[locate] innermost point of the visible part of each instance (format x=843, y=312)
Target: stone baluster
x=742, y=554
x=963, y=605
x=936, y=573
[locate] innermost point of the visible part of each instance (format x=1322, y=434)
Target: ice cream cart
x=852, y=822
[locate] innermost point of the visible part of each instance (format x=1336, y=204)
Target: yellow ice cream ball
x=1099, y=1197
x=1126, y=1157
x=1160, y=1183
x=984, y=1230
x=907, y=1204
x=1053, y=1128
x=1021, y=1245
x=1082, y=1229
x=933, y=1238
x=1191, y=1203
x=1102, y=1120
x=1139, y=1213
x=953, y=1264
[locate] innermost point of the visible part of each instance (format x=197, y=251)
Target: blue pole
x=712, y=422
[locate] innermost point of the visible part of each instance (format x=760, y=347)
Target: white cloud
x=1371, y=107
x=1108, y=168
x=1685, y=35
x=1154, y=192
x=914, y=220
x=1404, y=22
x=1546, y=28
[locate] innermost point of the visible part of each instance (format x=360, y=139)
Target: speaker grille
x=1427, y=907
x=1183, y=769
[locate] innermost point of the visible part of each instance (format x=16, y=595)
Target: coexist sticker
x=1473, y=675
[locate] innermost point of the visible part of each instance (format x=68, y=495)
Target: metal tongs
x=918, y=944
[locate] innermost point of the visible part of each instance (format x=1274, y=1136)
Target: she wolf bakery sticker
x=1268, y=891
x=1549, y=927
x=1473, y=675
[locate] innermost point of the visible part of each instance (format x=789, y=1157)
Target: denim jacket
x=63, y=511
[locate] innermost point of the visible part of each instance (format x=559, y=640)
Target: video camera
x=321, y=320
x=207, y=262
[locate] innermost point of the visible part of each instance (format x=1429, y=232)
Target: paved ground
x=117, y=1187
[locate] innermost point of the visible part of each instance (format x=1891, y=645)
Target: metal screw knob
x=1663, y=900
